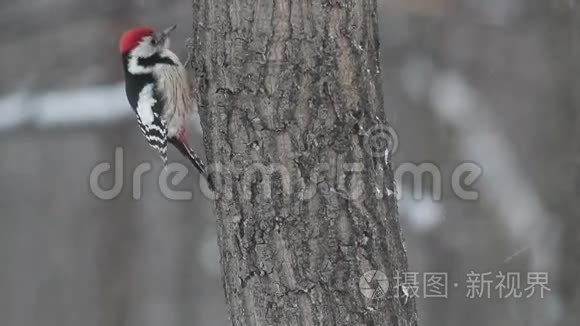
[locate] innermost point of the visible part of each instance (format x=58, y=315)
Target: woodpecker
x=158, y=90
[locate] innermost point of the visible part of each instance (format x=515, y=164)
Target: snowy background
x=493, y=82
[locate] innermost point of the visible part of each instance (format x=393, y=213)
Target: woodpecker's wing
x=149, y=110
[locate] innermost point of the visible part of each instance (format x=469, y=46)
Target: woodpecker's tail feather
x=186, y=151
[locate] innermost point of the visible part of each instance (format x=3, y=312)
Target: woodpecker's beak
x=165, y=34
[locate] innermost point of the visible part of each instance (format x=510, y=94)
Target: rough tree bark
x=289, y=97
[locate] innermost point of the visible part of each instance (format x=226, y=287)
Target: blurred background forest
x=493, y=82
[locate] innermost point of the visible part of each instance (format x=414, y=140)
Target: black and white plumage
x=158, y=90
x=148, y=106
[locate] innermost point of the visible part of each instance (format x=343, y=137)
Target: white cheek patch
x=143, y=50
x=145, y=105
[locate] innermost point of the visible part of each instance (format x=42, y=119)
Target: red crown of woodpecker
x=132, y=37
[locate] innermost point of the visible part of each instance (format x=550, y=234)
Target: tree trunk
x=292, y=113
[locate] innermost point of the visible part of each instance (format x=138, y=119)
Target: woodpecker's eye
x=153, y=41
